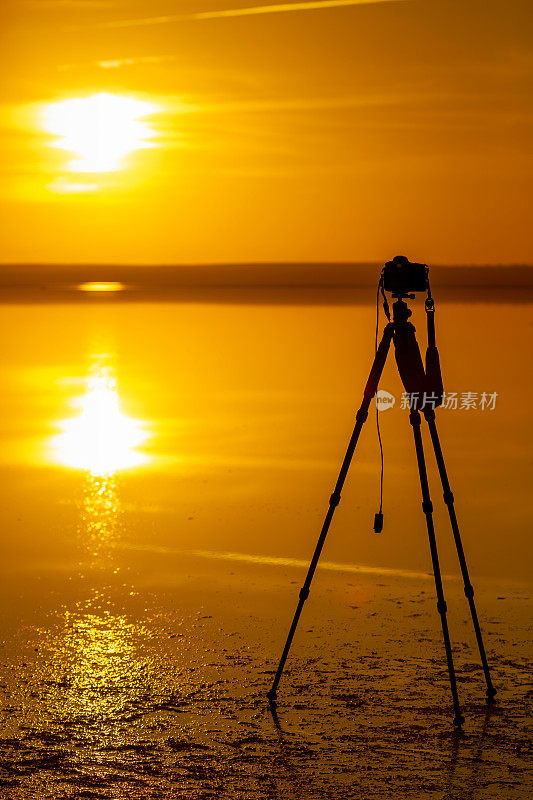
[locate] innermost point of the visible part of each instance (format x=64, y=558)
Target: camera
x=402, y=276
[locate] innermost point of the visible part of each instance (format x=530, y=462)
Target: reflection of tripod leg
x=469, y=589
x=370, y=390
x=441, y=603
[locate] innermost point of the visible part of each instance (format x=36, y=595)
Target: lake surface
x=165, y=468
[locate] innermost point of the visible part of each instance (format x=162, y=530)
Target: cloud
x=66, y=4
x=378, y=100
x=278, y=8
x=116, y=63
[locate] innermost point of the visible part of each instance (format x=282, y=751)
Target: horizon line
x=257, y=263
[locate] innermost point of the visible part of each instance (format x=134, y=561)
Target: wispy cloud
x=277, y=8
x=379, y=100
x=70, y=4
x=116, y=63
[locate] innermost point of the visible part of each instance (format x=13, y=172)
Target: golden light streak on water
x=99, y=652
x=100, y=513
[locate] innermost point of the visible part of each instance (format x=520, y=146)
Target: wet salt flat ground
x=143, y=612
x=124, y=695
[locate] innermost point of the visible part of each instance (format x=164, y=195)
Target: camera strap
x=433, y=371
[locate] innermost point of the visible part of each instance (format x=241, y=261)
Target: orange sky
x=329, y=132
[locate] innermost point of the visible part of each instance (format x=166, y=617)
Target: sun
x=99, y=130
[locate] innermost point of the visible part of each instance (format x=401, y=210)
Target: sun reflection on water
x=99, y=651
x=102, y=656
x=104, y=667
x=105, y=664
x=101, y=512
x=101, y=439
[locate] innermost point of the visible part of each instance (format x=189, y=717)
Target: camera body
x=402, y=276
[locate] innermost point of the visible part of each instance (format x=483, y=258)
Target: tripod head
x=400, y=310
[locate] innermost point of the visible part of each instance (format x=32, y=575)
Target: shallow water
x=144, y=608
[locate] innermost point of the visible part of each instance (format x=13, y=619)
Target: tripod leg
x=441, y=603
x=370, y=390
x=469, y=589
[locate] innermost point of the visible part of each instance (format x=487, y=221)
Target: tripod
x=419, y=382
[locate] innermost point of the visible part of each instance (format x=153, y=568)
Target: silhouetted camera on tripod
x=401, y=276
x=424, y=382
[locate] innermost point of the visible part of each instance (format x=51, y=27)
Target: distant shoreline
x=314, y=283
